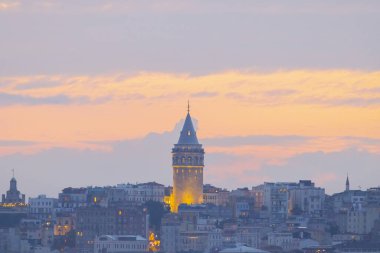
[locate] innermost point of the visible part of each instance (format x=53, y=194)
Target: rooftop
x=121, y=238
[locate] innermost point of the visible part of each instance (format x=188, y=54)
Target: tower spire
x=13, y=173
x=347, y=183
x=188, y=106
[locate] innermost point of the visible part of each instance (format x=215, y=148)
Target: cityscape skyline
x=203, y=126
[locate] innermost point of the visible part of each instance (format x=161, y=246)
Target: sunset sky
x=95, y=92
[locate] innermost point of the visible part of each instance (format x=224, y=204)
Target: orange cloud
x=110, y=107
x=8, y=5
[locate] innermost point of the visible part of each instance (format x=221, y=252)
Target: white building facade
x=151, y=191
x=120, y=244
x=42, y=207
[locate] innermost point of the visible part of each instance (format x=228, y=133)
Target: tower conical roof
x=188, y=134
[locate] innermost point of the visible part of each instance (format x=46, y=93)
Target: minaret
x=347, y=184
x=188, y=163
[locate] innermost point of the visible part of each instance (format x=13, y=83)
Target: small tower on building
x=188, y=163
x=13, y=195
x=347, y=184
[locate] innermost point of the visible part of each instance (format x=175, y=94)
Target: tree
x=333, y=228
x=64, y=241
x=156, y=211
x=296, y=210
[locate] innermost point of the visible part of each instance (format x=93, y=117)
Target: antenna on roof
x=13, y=173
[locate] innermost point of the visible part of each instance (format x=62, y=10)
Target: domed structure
x=13, y=195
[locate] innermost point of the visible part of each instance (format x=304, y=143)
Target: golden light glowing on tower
x=188, y=164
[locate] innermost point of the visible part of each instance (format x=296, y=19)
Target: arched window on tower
x=196, y=160
x=189, y=160
x=183, y=160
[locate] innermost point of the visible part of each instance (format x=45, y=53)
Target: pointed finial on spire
x=188, y=106
x=13, y=173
